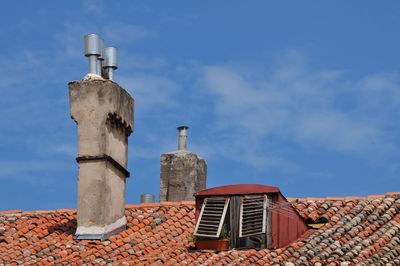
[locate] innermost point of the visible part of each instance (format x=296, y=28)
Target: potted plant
x=219, y=244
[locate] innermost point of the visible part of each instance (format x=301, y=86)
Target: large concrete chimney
x=182, y=172
x=103, y=112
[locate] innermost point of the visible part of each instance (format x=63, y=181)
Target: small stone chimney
x=182, y=172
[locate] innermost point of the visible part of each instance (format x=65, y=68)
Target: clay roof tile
x=359, y=230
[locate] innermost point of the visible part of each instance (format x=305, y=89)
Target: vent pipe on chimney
x=182, y=138
x=110, y=61
x=147, y=198
x=93, y=51
x=182, y=172
x=101, y=57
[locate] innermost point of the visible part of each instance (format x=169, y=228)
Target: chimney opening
x=110, y=61
x=147, y=198
x=103, y=61
x=182, y=138
x=101, y=57
x=92, y=44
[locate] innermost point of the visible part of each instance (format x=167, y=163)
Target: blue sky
x=304, y=95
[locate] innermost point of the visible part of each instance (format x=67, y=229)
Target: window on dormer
x=253, y=210
x=212, y=216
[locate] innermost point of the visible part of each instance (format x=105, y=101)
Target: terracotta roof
x=353, y=230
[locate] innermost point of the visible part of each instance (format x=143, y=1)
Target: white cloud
x=292, y=103
x=70, y=41
x=118, y=32
x=31, y=100
x=136, y=61
x=93, y=6
x=151, y=93
x=379, y=91
x=32, y=171
x=69, y=149
x=69, y=50
x=337, y=130
x=22, y=69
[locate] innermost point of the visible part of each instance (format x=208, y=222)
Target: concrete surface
x=182, y=174
x=104, y=114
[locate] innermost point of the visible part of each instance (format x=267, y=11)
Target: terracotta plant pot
x=212, y=244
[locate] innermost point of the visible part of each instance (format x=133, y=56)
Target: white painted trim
x=100, y=230
x=241, y=215
x=221, y=222
x=265, y=213
x=222, y=219
x=200, y=215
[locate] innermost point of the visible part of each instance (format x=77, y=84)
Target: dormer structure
x=254, y=216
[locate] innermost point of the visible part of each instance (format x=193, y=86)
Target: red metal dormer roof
x=238, y=189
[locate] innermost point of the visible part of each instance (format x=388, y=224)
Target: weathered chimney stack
x=104, y=114
x=182, y=172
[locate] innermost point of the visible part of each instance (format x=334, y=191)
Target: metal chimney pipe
x=182, y=138
x=92, y=51
x=101, y=57
x=147, y=198
x=110, y=61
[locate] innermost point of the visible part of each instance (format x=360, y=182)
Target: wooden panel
x=211, y=217
x=282, y=213
x=268, y=223
x=252, y=215
x=234, y=207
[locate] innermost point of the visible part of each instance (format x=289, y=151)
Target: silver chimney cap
x=101, y=56
x=93, y=50
x=110, y=61
x=182, y=130
x=182, y=138
x=110, y=57
x=92, y=44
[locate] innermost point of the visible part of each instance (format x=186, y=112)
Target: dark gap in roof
x=64, y=227
x=321, y=220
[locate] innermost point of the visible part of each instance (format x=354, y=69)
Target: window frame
x=221, y=221
x=264, y=214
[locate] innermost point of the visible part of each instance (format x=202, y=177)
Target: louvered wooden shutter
x=252, y=215
x=211, y=217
